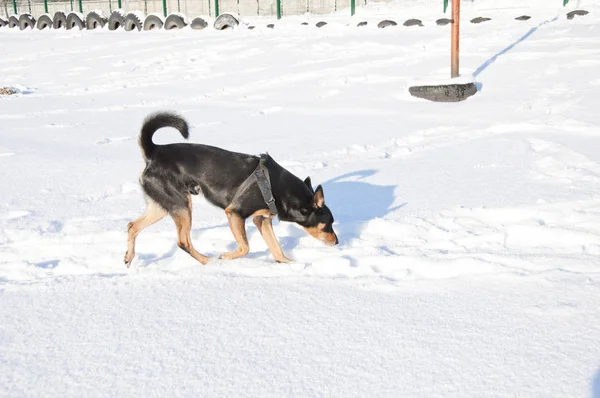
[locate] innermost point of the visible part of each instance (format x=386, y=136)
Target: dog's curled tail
x=156, y=121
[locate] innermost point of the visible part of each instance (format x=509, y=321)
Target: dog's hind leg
x=183, y=222
x=265, y=227
x=238, y=228
x=152, y=214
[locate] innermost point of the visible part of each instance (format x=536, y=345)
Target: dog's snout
x=332, y=239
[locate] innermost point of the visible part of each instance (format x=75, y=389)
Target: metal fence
x=187, y=7
x=212, y=8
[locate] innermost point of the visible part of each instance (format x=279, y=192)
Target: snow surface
x=470, y=232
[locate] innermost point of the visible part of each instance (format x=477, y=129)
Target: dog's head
x=318, y=220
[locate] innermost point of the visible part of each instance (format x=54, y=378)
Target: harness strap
x=264, y=184
x=260, y=176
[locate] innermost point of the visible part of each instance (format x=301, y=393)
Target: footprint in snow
x=50, y=264
x=111, y=140
x=52, y=227
x=268, y=111
x=62, y=126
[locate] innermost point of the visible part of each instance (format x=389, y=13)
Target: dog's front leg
x=265, y=227
x=238, y=228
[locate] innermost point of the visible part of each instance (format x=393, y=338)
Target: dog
x=245, y=186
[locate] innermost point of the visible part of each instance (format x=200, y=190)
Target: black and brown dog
x=174, y=172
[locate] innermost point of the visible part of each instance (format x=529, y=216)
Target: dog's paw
x=283, y=260
x=228, y=256
x=128, y=259
x=233, y=255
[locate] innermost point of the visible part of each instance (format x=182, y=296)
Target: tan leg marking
x=183, y=222
x=152, y=214
x=262, y=212
x=238, y=227
x=265, y=227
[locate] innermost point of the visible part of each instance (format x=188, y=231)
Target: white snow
x=469, y=256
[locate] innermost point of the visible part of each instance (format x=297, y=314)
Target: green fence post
x=46, y=6
x=119, y=4
x=216, y=8
x=15, y=6
x=80, y=7
x=164, y=7
x=352, y=7
x=278, y=9
x=445, y=5
x=29, y=5
x=71, y=5
x=565, y=2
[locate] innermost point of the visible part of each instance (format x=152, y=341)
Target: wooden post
x=455, y=36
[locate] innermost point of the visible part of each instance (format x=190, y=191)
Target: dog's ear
x=309, y=184
x=318, y=198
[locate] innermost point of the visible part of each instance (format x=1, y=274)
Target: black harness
x=260, y=176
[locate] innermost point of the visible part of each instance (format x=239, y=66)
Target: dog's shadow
x=353, y=203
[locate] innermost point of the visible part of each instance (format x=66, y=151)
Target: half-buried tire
x=116, y=20
x=44, y=22
x=59, y=21
x=132, y=22
x=386, y=23
x=26, y=21
x=444, y=93
x=74, y=21
x=174, y=22
x=198, y=23
x=153, y=22
x=3, y=22
x=94, y=20
x=226, y=21
x=13, y=21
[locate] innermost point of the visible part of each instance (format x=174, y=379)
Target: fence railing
x=213, y=8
